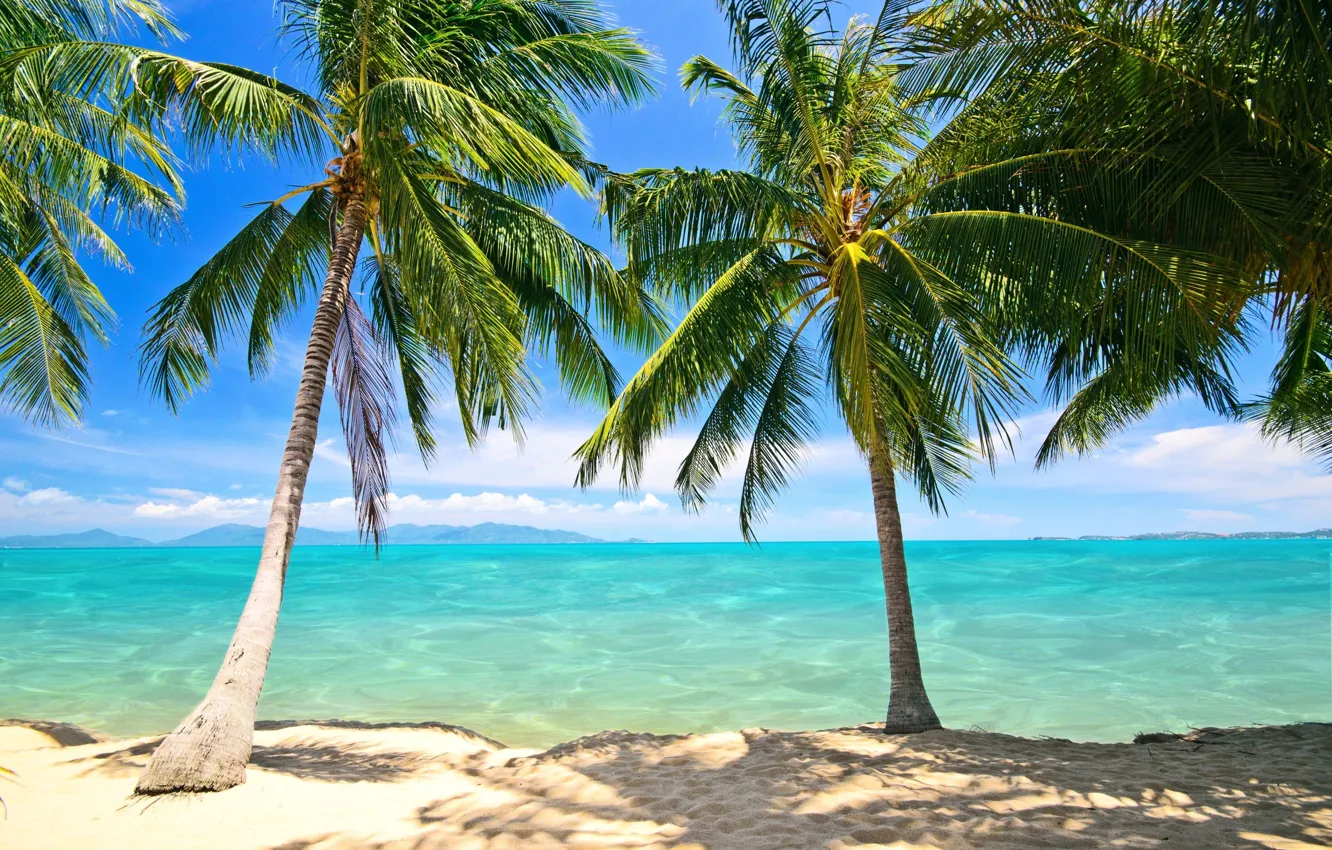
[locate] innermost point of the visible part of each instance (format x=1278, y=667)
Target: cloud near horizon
x=339, y=513
x=210, y=507
x=1221, y=477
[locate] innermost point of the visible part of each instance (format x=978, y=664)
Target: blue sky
x=135, y=469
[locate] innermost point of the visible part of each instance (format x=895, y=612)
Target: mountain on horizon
x=97, y=538
x=232, y=534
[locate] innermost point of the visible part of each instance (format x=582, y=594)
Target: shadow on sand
x=1268, y=787
x=839, y=789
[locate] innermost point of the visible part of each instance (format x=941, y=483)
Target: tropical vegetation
x=862, y=263
x=441, y=129
x=70, y=165
x=941, y=211
x=1205, y=125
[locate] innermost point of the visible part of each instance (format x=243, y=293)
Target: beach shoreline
x=332, y=785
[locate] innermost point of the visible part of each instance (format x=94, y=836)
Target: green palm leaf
x=69, y=157
x=247, y=283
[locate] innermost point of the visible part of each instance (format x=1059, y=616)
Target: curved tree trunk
x=211, y=747
x=909, y=708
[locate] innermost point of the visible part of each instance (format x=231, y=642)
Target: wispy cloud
x=1229, y=463
x=649, y=504
x=47, y=496
x=98, y=447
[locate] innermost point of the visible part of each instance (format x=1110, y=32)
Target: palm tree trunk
x=909, y=708
x=211, y=747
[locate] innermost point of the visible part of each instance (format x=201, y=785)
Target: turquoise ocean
x=539, y=644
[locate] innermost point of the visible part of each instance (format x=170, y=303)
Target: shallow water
x=538, y=644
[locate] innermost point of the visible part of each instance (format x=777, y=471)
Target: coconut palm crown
x=443, y=126
x=842, y=270
x=1204, y=125
x=69, y=165
x=433, y=132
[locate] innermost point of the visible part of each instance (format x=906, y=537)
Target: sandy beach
x=337, y=786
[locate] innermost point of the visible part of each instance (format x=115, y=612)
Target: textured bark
x=909, y=708
x=211, y=747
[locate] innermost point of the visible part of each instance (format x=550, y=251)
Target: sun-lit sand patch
x=342, y=786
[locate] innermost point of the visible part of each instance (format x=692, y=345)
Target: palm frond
x=734, y=417
x=43, y=361
x=365, y=392
x=291, y=274
x=396, y=327
x=698, y=357
x=208, y=104
x=454, y=126
x=188, y=328
x=786, y=423
x=1298, y=407
x=1126, y=392
x=461, y=306
x=665, y=218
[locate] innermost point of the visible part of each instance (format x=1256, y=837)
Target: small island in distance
x=252, y=535
x=1318, y=534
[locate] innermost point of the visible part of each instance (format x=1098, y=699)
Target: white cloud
x=236, y=487
x=47, y=496
x=338, y=512
x=208, y=507
x=845, y=516
x=1000, y=520
x=480, y=503
x=16, y=484
x=1231, y=464
x=175, y=493
x=110, y=412
x=54, y=509
x=1213, y=516
x=648, y=504
x=456, y=508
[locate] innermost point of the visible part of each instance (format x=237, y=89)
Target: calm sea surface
x=538, y=644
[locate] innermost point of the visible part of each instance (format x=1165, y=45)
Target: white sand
x=315, y=787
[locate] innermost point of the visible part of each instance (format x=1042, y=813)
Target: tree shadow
x=1262, y=787
x=121, y=761
x=63, y=734
x=337, y=762
x=432, y=725
x=308, y=758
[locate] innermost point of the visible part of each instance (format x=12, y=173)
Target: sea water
x=537, y=644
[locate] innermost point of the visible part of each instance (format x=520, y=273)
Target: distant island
x=1319, y=534
x=251, y=535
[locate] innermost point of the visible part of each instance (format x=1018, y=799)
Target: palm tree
x=1207, y=126
x=848, y=260
x=1298, y=407
x=68, y=164
x=443, y=125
